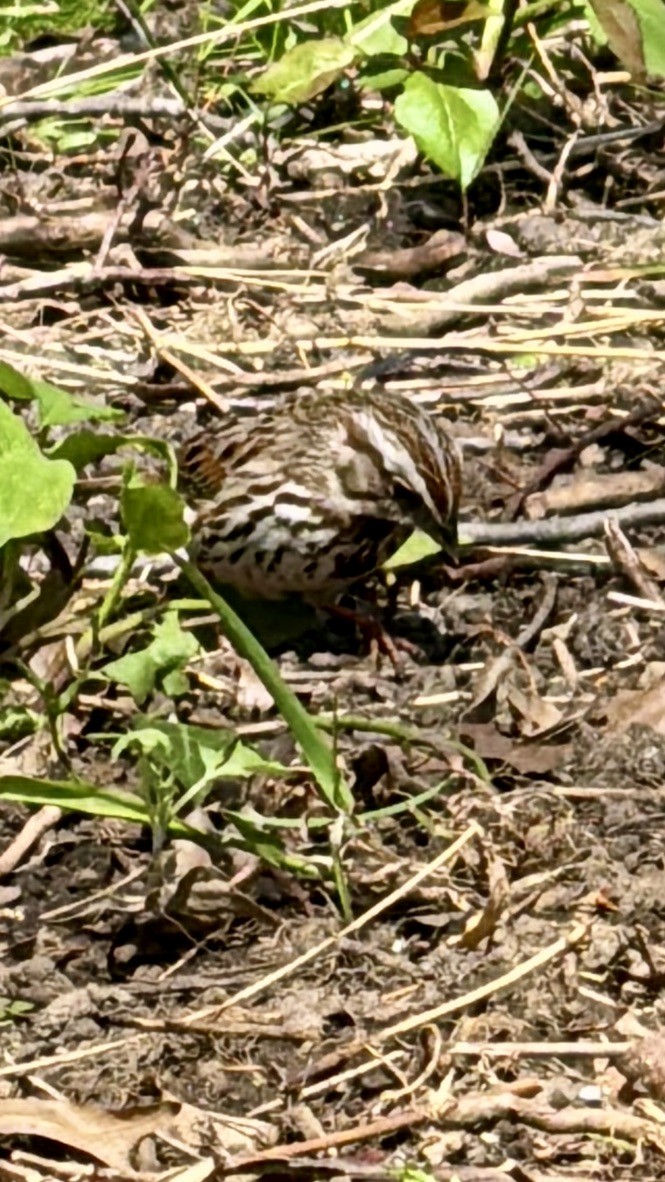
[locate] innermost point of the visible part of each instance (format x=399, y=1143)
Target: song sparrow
x=315, y=493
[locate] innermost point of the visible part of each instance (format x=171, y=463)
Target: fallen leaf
x=533, y=712
x=438, y=16
x=621, y=26
x=638, y=708
x=526, y=758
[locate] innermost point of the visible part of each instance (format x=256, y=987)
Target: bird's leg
x=378, y=640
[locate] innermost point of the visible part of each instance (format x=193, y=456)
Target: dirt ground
x=489, y=1005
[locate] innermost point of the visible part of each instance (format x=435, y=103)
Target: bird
x=312, y=494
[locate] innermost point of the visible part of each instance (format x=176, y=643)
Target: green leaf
x=169, y=651
x=376, y=34
x=72, y=794
x=76, y=796
x=57, y=408
x=377, y=77
x=34, y=491
x=85, y=447
x=153, y=515
x=305, y=71
x=10, y=1010
x=452, y=126
x=266, y=845
x=175, y=683
x=16, y=722
x=66, y=135
x=88, y=447
x=104, y=543
x=318, y=753
x=193, y=755
x=415, y=549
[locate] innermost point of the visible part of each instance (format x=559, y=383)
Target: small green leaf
x=376, y=34
x=452, y=126
x=305, y=71
x=66, y=136
x=136, y=671
x=104, y=543
x=88, y=447
x=153, y=515
x=10, y=1010
x=85, y=447
x=57, y=408
x=194, y=755
x=16, y=722
x=415, y=549
x=34, y=491
x=168, y=652
x=175, y=683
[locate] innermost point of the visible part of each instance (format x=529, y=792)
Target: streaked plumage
x=315, y=493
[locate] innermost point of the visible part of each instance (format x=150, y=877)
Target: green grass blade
x=315, y=748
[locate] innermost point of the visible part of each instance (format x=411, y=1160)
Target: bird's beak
x=445, y=535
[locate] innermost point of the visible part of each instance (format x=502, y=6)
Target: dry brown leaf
x=103, y=1136
x=114, y=1138
x=200, y=1129
x=481, y=708
x=436, y=16
x=638, y=708
x=482, y=926
x=527, y=758
x=653, y=561
x=644, y=1063
x=534, y=714
x=620, y=25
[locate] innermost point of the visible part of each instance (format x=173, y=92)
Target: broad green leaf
x=376, y=34
x=85, y=447
x=88, y=447
x=194, y=755
x=57, y=408
x=378, y=77
x=453, y=127
x=153, y=515
x=168, y=652
x=34, y=491
x=65, y=136
x=305, y=71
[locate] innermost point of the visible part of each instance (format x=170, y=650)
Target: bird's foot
x=379, y=642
